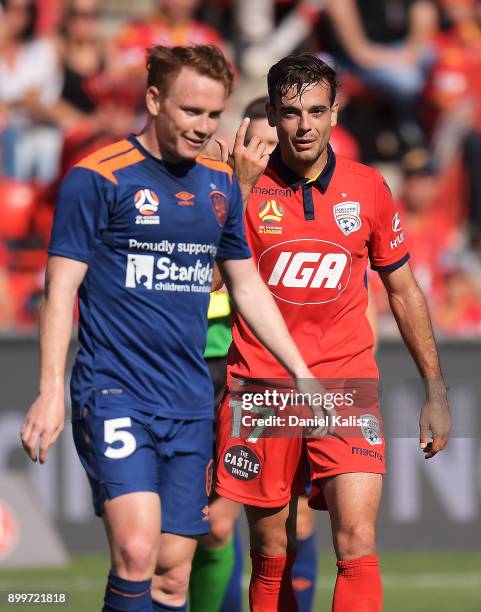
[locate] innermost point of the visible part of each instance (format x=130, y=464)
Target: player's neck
x=148, y=140
x=302, y=169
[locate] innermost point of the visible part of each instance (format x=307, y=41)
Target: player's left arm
x=388, y=252
x=410, y=310
x=256, y=305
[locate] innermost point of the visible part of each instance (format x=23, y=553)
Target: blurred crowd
x=72, y=80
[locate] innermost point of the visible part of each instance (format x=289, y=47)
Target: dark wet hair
x=298, y=71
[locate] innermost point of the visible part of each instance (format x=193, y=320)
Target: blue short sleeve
x=233, y=243
x=81, y=214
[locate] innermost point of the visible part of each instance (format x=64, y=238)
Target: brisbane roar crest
x=219, y=205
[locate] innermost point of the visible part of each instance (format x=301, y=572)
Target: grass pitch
x=413, y=582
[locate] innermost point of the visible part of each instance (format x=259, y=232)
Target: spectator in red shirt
x=454, y=98
x=172, y=23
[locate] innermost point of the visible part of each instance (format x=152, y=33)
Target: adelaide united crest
x=219, y=205
x=347, y=216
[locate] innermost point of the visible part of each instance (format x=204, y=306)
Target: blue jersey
x=149, y=232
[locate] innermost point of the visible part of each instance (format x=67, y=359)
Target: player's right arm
x=45, y=419
x=81, y=214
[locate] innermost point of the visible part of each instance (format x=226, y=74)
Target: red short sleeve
x=388, y=248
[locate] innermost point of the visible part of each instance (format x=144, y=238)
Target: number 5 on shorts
x=113, y=433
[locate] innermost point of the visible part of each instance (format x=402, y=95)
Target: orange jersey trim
x=112, y=158
x=213, y=164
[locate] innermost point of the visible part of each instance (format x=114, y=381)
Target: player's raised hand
x=434, y=421
x=249, y=161
x=42, y=426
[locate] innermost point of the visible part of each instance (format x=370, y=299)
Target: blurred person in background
x=459, y=314
x=453, y=98
x=97, y=106
x=173, y=22
x=30, y=82
x=83, y=56
x=438, y=251
x=263, y=41
x=49, y=16
x=387, y=45
x=259, y=125
x=431, y=234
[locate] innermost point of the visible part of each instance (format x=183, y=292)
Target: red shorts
x=268, y=471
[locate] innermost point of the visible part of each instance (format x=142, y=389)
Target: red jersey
x=311, y=241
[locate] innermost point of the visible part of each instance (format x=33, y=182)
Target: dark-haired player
x=138, y=226
x=313, y=219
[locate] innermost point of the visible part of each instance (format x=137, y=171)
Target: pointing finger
x=241, y=133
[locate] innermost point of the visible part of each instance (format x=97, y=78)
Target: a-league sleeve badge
x=347, y=216
x=219, y=205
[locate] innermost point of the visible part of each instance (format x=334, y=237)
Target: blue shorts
x=131, y=452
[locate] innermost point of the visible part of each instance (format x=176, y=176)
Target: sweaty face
x=266, y=133
x=188, y=114
x=304, y=124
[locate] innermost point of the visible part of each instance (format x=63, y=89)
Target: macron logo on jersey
x=306, y=271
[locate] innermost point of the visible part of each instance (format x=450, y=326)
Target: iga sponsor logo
x=347, y=216
x=242, y=462
x=306, y=271
x=147, y=203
